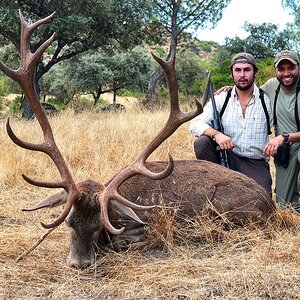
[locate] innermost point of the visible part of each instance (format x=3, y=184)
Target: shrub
x=4, y=88
x=16, y=105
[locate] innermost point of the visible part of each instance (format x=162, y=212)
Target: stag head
x=86, y=224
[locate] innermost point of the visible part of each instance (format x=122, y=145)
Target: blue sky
x=239, y=11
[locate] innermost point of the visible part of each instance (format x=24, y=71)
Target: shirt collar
x=254, y=97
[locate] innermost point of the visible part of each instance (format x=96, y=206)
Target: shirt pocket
x=258, y=123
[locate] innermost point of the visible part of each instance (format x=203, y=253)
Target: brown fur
x=194, y=188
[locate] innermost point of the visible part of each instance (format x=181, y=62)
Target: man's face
x=287, y=73
x=243, y=75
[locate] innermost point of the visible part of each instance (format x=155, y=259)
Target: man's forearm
x=211, y=132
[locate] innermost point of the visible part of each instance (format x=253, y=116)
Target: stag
x=125, y=204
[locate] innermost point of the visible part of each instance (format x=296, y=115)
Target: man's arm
x=201, y=126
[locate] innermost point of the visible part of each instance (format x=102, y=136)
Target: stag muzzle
x=78, y=262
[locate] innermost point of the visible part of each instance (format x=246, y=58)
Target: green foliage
x=56, y=84
x=189, y=71
x=16, y=105
x=130, y=93
x=264, y=41
x=293, y=29
x=4, y=88
x=98, y=72
x=80, y=26
x=189, y=14
x=265, y=71
x=221, y=75
x=56, y=103
x=159, y=51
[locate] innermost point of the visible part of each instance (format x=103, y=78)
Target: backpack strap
x=263, y=103
x=261, y=96
x=225, y=103
x=274, y=111
x=296, y=106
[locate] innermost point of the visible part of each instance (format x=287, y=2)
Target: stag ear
x=123, y=210
x=53, y=200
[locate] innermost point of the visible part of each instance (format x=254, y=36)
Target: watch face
x=285, y=135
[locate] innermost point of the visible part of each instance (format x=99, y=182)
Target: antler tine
x=176, y=118
x=26, y=31
x=25, y=77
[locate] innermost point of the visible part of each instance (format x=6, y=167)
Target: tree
x=110, y=73
x=90, y=73
x=264, y=40
x=293, y=28
x=178, y=16
x=80, y=26
x=99, y=72
x=189, y=71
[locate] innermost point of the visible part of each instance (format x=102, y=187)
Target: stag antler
x=25, y=77
x=176, y=118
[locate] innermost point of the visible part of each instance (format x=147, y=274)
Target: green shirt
x=285, y=106
x=287, y=179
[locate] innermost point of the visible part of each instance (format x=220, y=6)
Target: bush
x=16, y=105
x=127, y=93
x=4, y=88
x=1, y=103
x=58, y=104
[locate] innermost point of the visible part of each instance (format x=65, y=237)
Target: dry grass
x=204, y=261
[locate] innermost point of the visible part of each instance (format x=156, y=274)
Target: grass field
x=244, y=263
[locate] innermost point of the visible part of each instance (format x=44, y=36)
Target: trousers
x=257, y=169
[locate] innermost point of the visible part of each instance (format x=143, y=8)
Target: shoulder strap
x=296, y=106
x=225, y=103
x=261, y=96
x=274, y=111
x=263, y=103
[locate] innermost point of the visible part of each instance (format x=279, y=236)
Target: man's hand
x=224, y=141
x=223, y=89
x=273, y=145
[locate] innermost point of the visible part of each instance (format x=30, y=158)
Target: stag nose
x=79, y=263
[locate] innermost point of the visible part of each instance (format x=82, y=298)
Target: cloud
x=240, y=11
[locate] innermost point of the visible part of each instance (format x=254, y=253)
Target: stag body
x=91, y=207
x=194, y=188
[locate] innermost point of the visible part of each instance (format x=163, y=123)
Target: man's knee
x=204, y=148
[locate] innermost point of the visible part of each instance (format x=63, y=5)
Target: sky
x=238, y=12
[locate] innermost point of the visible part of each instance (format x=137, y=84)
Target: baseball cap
x=244, y=58
x=286, y=54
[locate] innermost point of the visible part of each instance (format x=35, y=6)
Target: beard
x=244, y=85
x=288, y=81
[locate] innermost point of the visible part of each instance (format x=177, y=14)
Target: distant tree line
x=104, y=46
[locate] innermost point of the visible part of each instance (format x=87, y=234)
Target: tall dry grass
x=206, y=262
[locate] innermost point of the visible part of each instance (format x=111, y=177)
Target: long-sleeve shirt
x=249, y=133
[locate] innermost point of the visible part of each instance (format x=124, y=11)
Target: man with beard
x=245, y=117
x=284, y=92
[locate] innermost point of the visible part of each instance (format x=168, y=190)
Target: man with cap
x=283, y=90
x=245, y=121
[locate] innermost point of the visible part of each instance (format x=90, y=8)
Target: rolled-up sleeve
x=200, y=123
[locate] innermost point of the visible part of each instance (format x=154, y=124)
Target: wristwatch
x=285, y=136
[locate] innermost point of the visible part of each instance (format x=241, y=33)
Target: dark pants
x=257, y=169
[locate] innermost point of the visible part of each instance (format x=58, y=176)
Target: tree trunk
x=115, y=98
x=27, y=110
x=151, y=98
